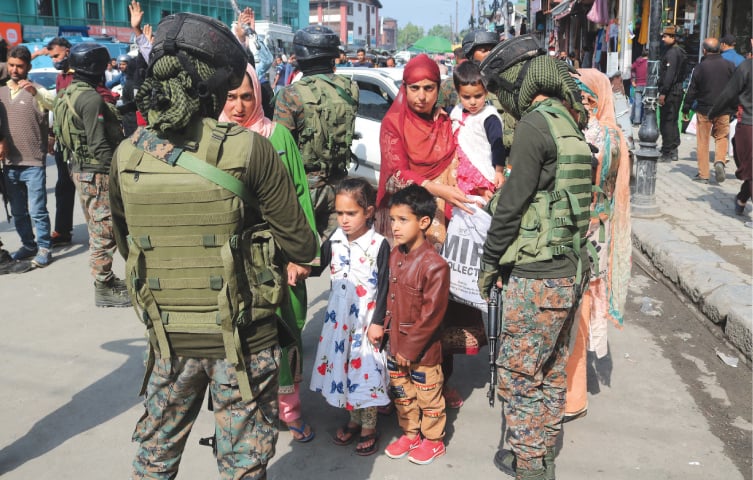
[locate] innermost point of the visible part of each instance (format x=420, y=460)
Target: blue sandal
x=302, y=432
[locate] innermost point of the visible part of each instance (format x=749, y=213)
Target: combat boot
x=549, y=463
x=111, y=294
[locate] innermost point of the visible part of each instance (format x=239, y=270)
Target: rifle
x=492, y=333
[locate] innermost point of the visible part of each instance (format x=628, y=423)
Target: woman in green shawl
x=244, y=107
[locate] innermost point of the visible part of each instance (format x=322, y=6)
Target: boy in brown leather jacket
x=416, y=304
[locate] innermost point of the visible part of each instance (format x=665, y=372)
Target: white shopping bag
x=732, y=126
x=692, y=127
x=462, y=249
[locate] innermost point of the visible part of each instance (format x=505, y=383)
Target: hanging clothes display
x=599, y=12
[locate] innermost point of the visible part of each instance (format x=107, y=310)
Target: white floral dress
x=348, y=371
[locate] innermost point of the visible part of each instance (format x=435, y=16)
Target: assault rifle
x=492, y=333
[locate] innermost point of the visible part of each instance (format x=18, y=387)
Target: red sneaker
x=452, y=398
x=402, y=446
x=427, y=452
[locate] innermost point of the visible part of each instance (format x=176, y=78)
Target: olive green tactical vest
x=69, y=126
x=556, y=221
x=329, y=108
x=192, y=265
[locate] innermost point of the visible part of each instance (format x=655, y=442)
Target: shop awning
x=563, y=9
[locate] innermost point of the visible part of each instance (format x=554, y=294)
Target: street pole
x=644, y=198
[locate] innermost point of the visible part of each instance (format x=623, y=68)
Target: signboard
x=11, y=32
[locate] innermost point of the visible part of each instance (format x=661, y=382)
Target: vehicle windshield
x=46, y=79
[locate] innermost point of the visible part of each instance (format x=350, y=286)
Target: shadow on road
x=92, y=406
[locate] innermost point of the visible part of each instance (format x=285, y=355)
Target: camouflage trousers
x=417, y=393
x=533, y=351
x=94, y=193
x=245, y=432
x=322, y=191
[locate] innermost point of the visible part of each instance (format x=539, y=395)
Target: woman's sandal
x=302, y=432
x=351, y=433
x=372, y=448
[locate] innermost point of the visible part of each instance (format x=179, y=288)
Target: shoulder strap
x=344, y=94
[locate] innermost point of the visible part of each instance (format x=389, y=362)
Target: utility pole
x=644, y=199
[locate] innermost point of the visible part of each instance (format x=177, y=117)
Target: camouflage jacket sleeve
x=289, y=110
x=448, y=97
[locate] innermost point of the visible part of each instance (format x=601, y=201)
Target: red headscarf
x=410, y=144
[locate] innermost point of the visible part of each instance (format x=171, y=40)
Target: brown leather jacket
x=416, y=303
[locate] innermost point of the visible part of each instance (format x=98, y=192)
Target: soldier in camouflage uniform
x=316, y=49
x=80, y=109
x=189, y=351
x=542, y=284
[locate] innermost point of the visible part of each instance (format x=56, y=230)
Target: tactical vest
x=508, y=121
x=329, y=114
x=69, y=126
x=192, y=265
x=556, y=221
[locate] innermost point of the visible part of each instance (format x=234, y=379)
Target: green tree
x=408, y=35
x=444, y=31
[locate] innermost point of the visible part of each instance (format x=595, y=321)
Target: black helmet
x=204, y=38
x=507, y=54
x=478, y=37
x=315, y=42
x=89, y=58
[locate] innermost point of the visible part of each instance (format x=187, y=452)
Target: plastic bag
x=463, y=247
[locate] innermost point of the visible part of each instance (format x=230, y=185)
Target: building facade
x=111, y=17
x=357, y=22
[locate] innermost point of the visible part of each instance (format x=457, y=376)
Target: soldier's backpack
x=329, y=106
x=192, y=266
x=73, y=137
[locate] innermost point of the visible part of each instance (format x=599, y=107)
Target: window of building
x=359, y=7
x=350, y=26
x=360, y=31
x=350, y=9
x=92, y=10
x=44, y=7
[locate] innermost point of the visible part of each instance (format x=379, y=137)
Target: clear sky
x=427, y=13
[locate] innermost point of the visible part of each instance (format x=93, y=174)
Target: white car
x=378, y=88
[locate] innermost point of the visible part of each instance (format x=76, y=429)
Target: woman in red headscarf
x=418, y=147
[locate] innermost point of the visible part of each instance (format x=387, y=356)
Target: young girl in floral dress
x=348, y=371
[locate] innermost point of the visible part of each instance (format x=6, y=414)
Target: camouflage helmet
x=89, y=58
x=476, y=38
x=315, y=42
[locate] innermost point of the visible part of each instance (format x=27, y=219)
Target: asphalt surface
x=72, y=374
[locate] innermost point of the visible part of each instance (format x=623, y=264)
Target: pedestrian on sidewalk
x=349, y=370
x=244, y=107
x=739, y=91
x=638, y=76
x=708, y=80
x=728, y=50
x=609, y=232
x=419, y=290
x=671, y=78
x=24, y=121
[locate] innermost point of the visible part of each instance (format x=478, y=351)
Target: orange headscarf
x=256, y=122
x=423, y=147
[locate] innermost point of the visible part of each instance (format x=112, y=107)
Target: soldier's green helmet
x=89, y=58
x=207, y=40
x=476, y=38
x=316, y=42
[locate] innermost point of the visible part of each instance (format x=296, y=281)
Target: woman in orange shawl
x=418, y=147
x=609, y=232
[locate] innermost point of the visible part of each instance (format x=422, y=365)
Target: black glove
x=487, y=277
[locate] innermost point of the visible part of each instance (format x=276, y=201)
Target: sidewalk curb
x=718, y=289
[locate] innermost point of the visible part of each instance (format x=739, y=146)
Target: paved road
x=664, y=406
